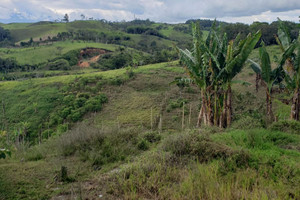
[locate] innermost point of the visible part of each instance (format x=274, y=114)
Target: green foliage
x=204, y=149
x=34, y=154
x=249, y=161
x=152, y=136
x=60, y=64
x=97, y=146
x=72, y=57
x=9, y=65
x=115, y=61
x=143, y=145
x=178, y=103
x=4, y=34
x=212, y=64
x=288, y=126
x=4, y=153
x=246, y=122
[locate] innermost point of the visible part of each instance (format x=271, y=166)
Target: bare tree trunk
x=216, y=117
x=223, y=117
x=190, y=116
x=270, y=114
x=228, y=106
x=200, y=116
x=210, y=112
x=182, y=124
x=258, y=78
x=205, y=109
x=295, y=105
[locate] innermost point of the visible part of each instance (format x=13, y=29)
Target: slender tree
x=269, y=77
x=291, y=62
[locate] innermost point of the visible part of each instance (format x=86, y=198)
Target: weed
x=288, y=126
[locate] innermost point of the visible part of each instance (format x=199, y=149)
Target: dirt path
x=91, y=60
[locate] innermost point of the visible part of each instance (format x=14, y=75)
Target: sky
x=169, y=11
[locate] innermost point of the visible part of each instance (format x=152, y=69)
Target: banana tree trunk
x=209, y=112
x=258, y=78
x=200, y=116
x=228, y=106
x=270, y=114
x=295, y=105
x=216, y=111
x=222, y=121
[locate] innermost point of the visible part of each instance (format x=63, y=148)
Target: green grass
x=131, y=162
x=230, y=165
x=36, y=55
x=34, y=100
x=24, y=31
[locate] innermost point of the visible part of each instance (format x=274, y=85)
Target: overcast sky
x=171, y=11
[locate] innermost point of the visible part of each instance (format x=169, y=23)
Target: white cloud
x=157, y=10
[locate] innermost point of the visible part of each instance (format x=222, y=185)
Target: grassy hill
x=41, y=54
x=124, y=150
x=23, y=31
x=119, y=129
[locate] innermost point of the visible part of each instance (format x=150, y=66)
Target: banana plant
x=291, y=62
x=270, y=77
x=212, y=64
x=238, y=52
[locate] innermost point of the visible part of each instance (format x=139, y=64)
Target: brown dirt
x=90, y=51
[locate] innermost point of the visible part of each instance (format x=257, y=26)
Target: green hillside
x=110, y=110
x=41, y=54
x=121, y=141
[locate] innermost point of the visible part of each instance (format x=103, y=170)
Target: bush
x=93, y=105
x=116, y=81
x=71, y=57
x=288, y=126
x=178, y=103
x=99, y=147
x=60, y=64
x=199, y=146
x=152, y=136
x=76, y=115
x=34, y=154
x=247, y=122
x=143, y=145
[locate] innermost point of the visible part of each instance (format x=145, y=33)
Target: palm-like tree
x=291, y=62
x=269, y=76
x=212, y=64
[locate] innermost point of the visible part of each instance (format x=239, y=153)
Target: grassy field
x=24, y=31
x=125, y=159
x=36, y=55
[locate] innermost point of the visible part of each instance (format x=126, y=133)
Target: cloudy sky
x=170, y=11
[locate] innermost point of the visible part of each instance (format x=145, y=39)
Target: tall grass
x=232, y=165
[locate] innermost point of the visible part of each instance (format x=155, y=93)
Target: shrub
x=68, y=100
x=178, y=103
x=247, y=122
x=99, y=147
x=55, y=119
x=199, y=146
x=34, y=154
x=93, y=105
x=79, y=102
x=152, y=136
x=143, y=145
x=71, y=57
x=288, y=126
x=76, y=115
x=116, y=81
x=60, y=64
